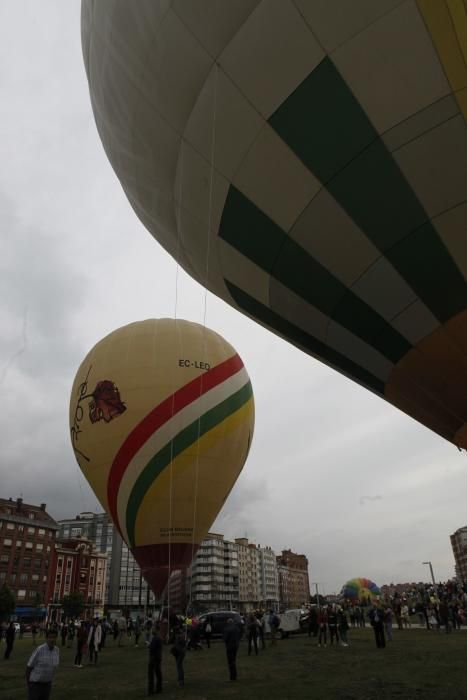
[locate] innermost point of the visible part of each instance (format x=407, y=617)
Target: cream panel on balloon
x=415, y=322
x=243, y=273
x=274, y=179
x=394, y=51
x=212, y=22
x=327, y=232
x=173, y=78
x=452, y=228
x=199, y=188
x=334, y=22
x=223, y=124
x=425, y=120
x=373, y=287
x=271, y=54
x=435, y=166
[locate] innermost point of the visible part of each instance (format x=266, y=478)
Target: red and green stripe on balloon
x=201, y=406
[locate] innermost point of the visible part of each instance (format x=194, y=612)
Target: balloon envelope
x=161, y=421
x=307, y=161
x=360, y=589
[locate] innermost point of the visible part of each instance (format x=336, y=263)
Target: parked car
x=218, y=621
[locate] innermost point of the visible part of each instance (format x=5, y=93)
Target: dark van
x=218, y=621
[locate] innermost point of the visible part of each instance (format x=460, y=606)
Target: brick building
x=77, y=567
x=459, y=549
x=27, y=540
x=294, y=584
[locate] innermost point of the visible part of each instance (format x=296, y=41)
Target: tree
x=73, y=604
x=7, y=602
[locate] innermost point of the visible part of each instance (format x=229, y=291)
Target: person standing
x=207, y=633
x=94, y=640
x=388, y=623
x=274, y=623
x=322, y=626
x=155, y=661
x=41, y=668
x=81, y=637
x=137, y=631
x=121, y=630
x=179, y=650
x=232, y=641
x=377, y=622
x=9, y=639
x=252, y=629
x=342, y=626
x=332, y=624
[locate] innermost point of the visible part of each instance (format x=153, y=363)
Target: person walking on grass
x=388, y=623
x=178, y=651
x=81, y=638
x=9, y=639
x=41, y=668
x=252, y=628
x=274, y=623
x=232, y=641
x=322, y=626
x=94, y=640
x=342, y=626
x=332, y=624
x=155, y=662
x=377, y=621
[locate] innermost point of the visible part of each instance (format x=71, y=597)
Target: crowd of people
x=436, y=607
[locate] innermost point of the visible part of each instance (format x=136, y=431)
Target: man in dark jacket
x=155, y=660
x=232, y=641
x=377, y=621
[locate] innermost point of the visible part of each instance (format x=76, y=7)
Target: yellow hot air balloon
x=161, y=421
x=315, y=154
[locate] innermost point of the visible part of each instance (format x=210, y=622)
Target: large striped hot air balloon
x=161, y=420
x=314, y=153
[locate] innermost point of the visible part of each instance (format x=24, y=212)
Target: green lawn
x=417, y=664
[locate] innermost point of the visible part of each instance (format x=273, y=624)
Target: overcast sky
x=334, y=472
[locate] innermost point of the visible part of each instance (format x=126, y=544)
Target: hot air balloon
x=360, y=589
x=307, y=162
x=161, y=422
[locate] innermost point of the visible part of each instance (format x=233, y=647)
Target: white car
x=289, y=622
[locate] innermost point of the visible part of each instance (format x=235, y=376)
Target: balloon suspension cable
x=172, y=411
x=206, y=281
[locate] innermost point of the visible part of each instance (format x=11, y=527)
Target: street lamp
x=431, y=571
x=314, y=583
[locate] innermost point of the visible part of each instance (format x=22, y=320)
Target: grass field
x=417, y=665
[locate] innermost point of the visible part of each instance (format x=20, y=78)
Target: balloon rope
x=206, y=279
x=173, y=387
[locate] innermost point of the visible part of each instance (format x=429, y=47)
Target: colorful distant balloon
x=360, y=589
x=161, y=421
x=308, y=162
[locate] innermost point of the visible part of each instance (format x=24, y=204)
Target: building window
x=39, y=547
x=21, y=593
x=10, y=526
x=2, y=576
x=19, y=543
x=37, y=563
x=4, y=559
x=7, y=542
x=31, y=516
x=23, y=578
x=28, y=545
x=20, y=528
x=41, y=532
x=68, y=564
x=48, y=548
x=58, y=578
x=31, y=530
x=35, y=577
x=26, y=563
x=12, y=578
